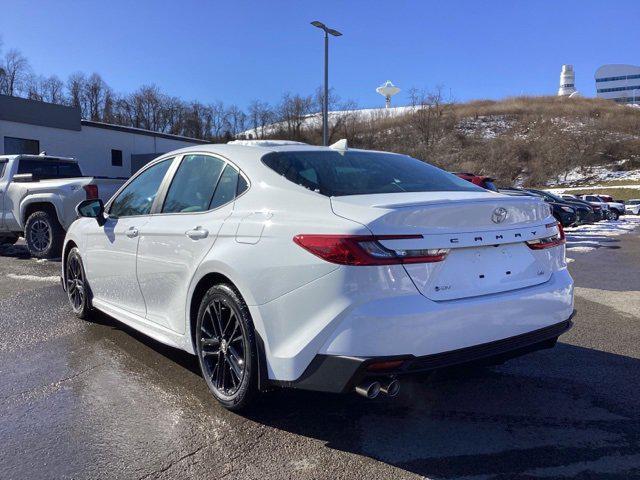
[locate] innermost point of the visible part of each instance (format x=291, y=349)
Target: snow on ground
x=586, y=238
x=590, y=176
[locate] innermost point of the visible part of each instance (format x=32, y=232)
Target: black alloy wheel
x=225, y=343
x=76, y=284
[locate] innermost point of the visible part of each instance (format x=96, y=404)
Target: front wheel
x=76, y=285
x=226, y=347
x=614, y=215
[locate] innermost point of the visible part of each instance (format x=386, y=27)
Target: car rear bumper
x=321, y=319
x=340, y=374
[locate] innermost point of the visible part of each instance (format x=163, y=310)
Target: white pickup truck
x=38, y=198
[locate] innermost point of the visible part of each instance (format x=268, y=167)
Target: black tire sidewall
x=84, y=310
x=249, y=387
x=56, y=233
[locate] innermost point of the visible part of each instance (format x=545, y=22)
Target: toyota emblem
x=499, y=215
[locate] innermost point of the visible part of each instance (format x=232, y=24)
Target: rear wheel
x=76, y=285
x=226, y=347
x=44, y=234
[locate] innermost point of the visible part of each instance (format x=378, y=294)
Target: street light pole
x=325, y=99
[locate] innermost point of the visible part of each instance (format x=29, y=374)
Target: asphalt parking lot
x=98, y=400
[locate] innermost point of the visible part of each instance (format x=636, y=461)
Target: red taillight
x=365, y=249
x=92, y=191
x=548, y=242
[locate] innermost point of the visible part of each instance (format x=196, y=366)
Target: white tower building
x=567, y=82
x=387, y=90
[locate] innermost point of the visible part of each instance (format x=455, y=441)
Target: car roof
x=246, y=153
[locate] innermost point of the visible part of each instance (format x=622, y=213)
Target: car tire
x=10, y=240
x=226, y=347
x=78, y=291
x=44, y=235
x=613, y=215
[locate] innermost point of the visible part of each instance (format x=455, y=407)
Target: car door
x=110, y=259
x=197, y=201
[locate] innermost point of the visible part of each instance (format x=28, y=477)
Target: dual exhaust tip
x=374, y=387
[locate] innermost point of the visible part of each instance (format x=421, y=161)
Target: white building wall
x=627, y=88
x=92, y=146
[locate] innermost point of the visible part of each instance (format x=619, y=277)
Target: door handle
x=132, y=232
x=197, y=233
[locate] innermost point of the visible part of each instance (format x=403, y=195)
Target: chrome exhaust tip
x=392, y=388
x=369, y=389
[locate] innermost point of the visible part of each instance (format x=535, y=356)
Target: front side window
x=138, y=196
x=194, y=184
x=363, y=173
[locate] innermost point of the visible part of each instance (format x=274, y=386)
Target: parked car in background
x=584, y=211
x=38, y=196
x=482, y=181
x=632, y=207
x=609, y=213
x=598, y=212
x=613, y=204
x=386, y=267
x=564, y=213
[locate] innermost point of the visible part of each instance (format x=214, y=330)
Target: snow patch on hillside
x=588, y=176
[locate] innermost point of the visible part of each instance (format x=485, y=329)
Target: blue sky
x=236, y=51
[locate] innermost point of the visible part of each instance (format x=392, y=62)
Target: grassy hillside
x=523, y=140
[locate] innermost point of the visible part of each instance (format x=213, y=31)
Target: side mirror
x=93, y=208
x=24, y=178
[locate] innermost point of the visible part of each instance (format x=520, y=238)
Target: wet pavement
x=98, y=400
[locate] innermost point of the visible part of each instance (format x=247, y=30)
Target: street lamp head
x=326, y=29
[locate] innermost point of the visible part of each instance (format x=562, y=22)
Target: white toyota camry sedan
x=321, y=268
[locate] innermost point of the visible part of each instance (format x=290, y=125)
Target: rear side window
x=138, y=196
x=226, y=188
x=49, y=168
x=362, y=173
x=194, y=184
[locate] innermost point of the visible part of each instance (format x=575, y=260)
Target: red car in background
x=480, y=180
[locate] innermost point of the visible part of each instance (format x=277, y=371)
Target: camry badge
x=499, y=215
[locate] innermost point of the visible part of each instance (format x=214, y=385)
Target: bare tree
x=95, y=91
x=53, y=90
x=293, y=112
x=260, y=116
x=16, y=70
x=236, y=121
x=75, y=91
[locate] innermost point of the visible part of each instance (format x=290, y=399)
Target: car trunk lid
x=485, y=234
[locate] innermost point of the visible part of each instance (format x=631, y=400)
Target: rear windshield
x=49, y=168
x=361, y=173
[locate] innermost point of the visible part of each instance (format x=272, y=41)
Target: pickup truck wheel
x=44, y=235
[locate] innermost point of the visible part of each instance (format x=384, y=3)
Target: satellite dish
x=388, y=90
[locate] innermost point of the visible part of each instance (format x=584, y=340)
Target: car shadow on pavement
x=553, y=413
x=538, y=414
